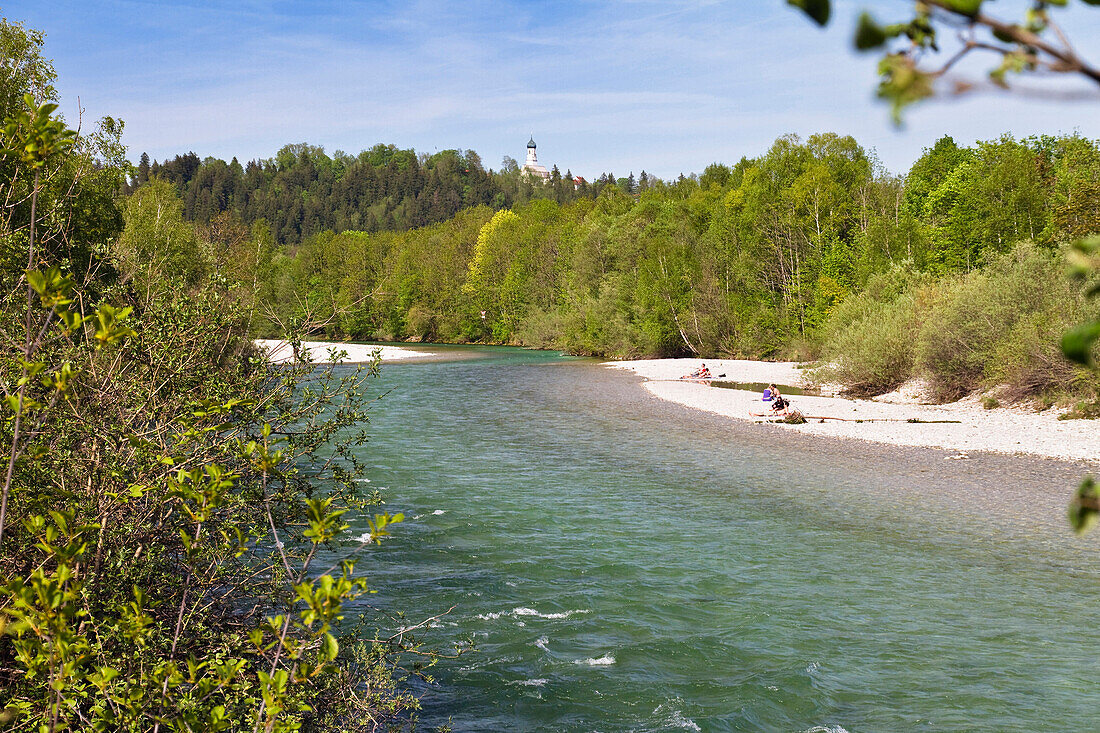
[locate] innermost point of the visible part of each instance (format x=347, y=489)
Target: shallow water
x=625, y=564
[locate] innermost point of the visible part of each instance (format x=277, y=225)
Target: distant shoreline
x=280, y=352
x=1008, y=430
x=883, y=419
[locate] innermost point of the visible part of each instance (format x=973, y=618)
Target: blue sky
x=668, y=86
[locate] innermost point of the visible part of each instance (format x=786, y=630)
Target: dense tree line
x=302, y=191
x=749, y=260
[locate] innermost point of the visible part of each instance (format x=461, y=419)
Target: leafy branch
x=1079, y=345
x=1036, y=43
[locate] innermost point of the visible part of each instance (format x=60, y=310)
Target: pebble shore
x=279, y=352
x=884, y=419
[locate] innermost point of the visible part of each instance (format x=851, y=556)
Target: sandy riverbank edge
x=280, y=352
x=1008, y=430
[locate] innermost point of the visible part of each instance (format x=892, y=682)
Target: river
x=625, y=564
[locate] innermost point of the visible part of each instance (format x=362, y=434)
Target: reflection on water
x=626, y=564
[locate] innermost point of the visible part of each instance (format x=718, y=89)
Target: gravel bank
x=279, y=352
x=1000, y=430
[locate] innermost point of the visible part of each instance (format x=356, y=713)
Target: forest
x=812, y=250
x=302, y=191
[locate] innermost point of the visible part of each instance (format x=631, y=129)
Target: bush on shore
x=999, y=326
x=868, y=343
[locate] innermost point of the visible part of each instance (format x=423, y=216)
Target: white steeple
x=531, y=165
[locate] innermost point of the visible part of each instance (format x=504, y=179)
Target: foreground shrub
x=169, y=497
x=171, y=505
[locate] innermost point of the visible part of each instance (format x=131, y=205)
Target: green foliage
x=494, y=281
x=1079, y=342
x=868, y=346
x=32, y=135
x=999, y=326
x=302, y=192
x=995, y=327
x=1084, y=509
x=818, y=10
x=1075, y=193
x=170, y=501
x=157, y=245
x=754, y=260
x=1034, y=45
x=25, y=70
x=868, y=33
x=130, y=525
x=60, y=188
x=1082, y=411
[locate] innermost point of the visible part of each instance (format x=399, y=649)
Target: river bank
x=883, y=419
x=280, y=352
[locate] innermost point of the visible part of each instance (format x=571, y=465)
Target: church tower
x=531, y=165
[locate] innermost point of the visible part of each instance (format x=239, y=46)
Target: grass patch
x=1082, y=411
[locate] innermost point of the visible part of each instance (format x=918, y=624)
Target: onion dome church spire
x=531, y=166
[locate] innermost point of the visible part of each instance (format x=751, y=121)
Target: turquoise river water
x=625, y=564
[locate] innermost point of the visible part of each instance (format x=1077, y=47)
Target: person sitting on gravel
x=779, y=403
x=701, y=373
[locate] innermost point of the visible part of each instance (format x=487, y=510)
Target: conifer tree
x=143, y=169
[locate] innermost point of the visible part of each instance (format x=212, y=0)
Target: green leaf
x=966, y=7
x=329, y=647
x=37, y=280
x=1084, y=509
x=110, y=329
x=869, y=34
x=818, y=10
x=1084, y=257
x=1077, y=342
x=902, y=83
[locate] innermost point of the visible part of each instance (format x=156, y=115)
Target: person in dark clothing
x=779, y=402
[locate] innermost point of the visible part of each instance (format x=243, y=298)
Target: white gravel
x=279, y=352
x=1000, y=430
